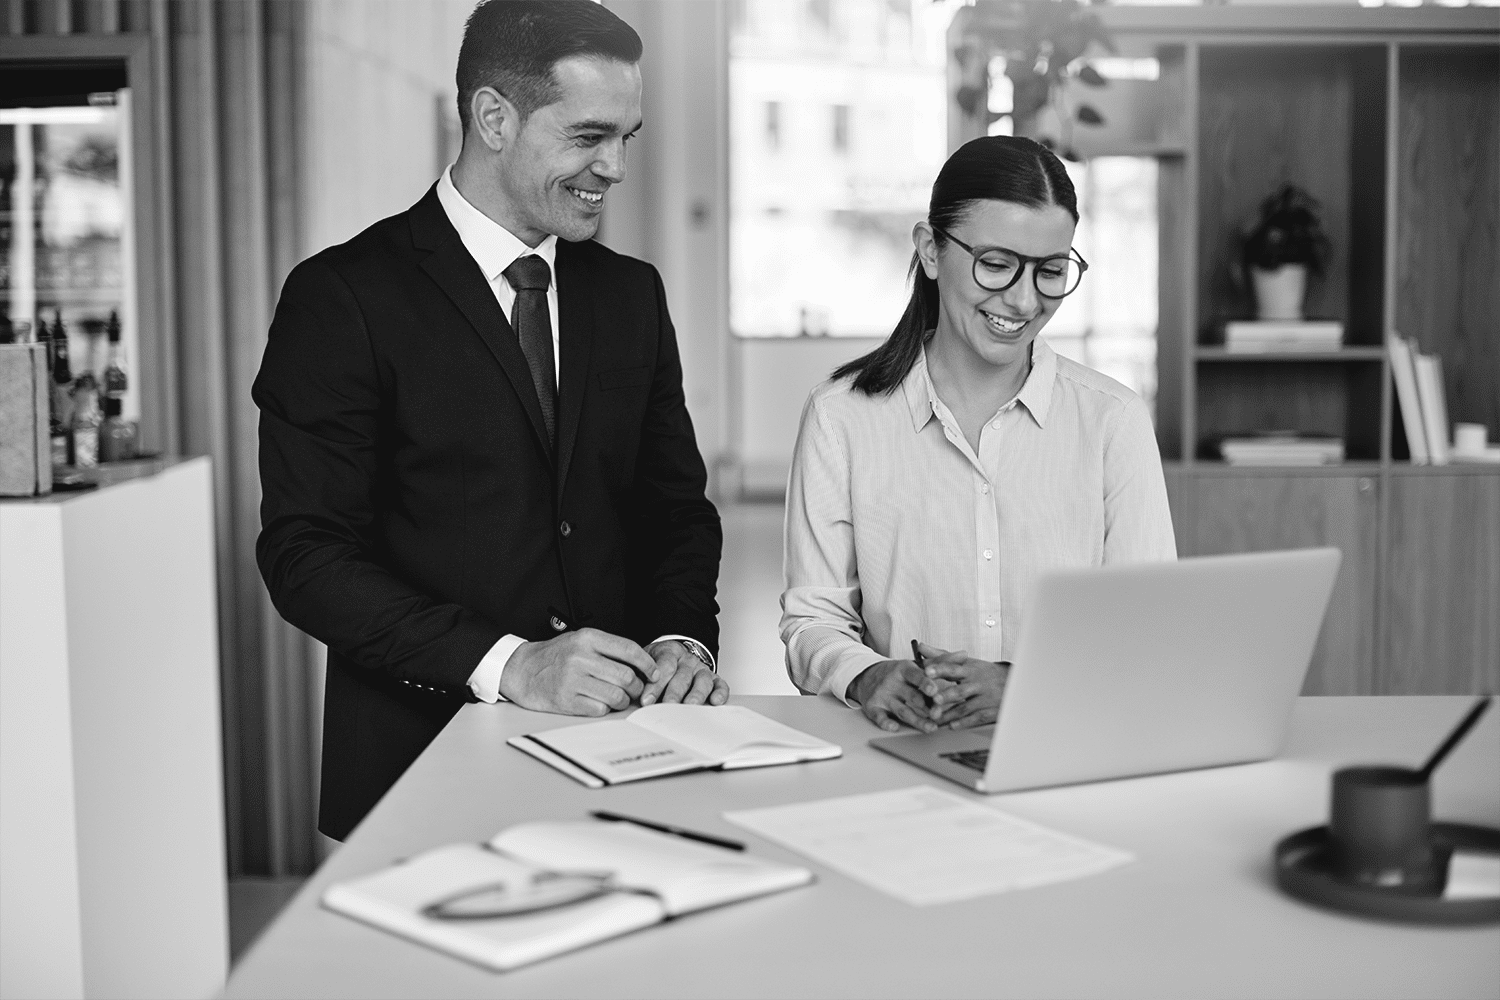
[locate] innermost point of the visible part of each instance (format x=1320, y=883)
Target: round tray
x=1302, y=871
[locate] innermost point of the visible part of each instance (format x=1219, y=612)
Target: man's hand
x=970, y=690
x=587, y=672
x=681, y=676
x=891, y=692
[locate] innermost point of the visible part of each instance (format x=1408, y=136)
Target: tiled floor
x=750, y=656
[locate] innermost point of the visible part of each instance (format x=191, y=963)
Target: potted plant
x=1284, y=246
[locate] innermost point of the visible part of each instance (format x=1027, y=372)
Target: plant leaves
x=968, y=98
x=1089, y=116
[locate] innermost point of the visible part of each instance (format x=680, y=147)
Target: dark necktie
x=530, y=276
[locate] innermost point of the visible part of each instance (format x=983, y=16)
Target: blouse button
x=989, y=623
x=989, y=553
x=984, y=488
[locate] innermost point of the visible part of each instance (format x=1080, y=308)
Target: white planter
x=1279, y=293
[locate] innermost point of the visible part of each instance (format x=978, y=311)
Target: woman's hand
x=890, y=693
x=965, y=692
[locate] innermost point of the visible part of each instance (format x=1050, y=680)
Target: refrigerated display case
x=67, y=227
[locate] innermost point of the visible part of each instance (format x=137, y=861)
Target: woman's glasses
x=996, y=269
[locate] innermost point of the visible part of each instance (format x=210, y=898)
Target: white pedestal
x=112, y=868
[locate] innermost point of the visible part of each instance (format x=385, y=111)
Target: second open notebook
x=669, y=739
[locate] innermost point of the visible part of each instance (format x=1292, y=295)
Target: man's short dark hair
x=512, y=45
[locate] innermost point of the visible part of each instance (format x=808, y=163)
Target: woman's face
x=998, y=327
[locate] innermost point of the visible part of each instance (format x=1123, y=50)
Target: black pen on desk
x=676, y=831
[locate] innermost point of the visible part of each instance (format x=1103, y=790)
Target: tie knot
x=528, y=273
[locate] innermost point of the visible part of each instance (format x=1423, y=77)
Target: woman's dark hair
x=994, y=168
x=512, y=45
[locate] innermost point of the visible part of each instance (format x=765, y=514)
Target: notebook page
x=685, y=875
x=733, y=734
x=926, y=846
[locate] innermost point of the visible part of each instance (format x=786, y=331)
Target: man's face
x=555, y=170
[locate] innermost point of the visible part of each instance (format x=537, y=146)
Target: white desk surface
x=1198, y=915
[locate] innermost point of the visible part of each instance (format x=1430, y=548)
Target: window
x=841, y=128
x=820, y=224
x=1109, y=324
x=773, y=126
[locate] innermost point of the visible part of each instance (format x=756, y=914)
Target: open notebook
x=668, y=739
x=653, y=876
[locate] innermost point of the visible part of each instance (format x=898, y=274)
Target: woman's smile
x=1004, y=325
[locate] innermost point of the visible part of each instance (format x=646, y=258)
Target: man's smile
x=586, y=196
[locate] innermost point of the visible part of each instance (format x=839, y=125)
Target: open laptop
x=1141, y=669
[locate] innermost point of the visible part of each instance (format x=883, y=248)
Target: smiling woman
x=937, y=476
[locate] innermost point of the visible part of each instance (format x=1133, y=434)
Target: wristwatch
x=700, y=651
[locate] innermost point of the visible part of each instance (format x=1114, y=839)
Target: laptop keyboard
x=977, y=760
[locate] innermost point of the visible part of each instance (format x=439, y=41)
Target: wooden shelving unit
x=1391, y=118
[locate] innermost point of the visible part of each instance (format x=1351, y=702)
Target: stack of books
x=1282, y=448
x=1424, y=403
x=1261, y=336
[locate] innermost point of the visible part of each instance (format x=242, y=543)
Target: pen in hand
x=916, y=654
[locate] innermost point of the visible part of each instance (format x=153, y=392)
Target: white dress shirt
x=897, y=530
x=494, y=248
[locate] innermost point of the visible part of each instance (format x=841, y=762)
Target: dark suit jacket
x=413, y=510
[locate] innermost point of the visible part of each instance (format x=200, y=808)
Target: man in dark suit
x=480, y=479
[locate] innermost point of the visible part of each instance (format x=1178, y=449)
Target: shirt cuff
x=694, y=646
x=485, y=680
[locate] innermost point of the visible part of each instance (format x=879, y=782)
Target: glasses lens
x=546, y=892
x=1057, y=276
x=995, y=269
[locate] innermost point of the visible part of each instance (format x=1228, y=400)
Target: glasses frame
x=976, y=252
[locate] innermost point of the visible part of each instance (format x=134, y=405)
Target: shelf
x=1218, y=353
x=1217, y=467
x=90, y=295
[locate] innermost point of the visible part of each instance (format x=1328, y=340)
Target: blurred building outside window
x=852, y=99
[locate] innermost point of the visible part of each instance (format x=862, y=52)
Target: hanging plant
x=1045, y=44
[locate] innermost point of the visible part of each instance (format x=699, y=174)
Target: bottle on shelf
x=62, y=396
x=117, y=436
x=87, y=418
x=115, y=380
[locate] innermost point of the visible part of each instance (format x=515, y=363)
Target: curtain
x=228, y=113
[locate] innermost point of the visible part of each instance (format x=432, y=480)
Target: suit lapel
x=456, y=273
x=575, y=326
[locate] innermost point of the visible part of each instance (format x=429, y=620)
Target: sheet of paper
x=926, y=846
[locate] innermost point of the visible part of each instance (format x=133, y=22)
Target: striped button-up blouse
x=896, y=529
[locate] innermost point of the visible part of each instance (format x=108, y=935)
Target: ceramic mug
x=1380, y=828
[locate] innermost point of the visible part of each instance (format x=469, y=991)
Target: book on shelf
x=1434, y=406
x=1404, y=372
x=541, y=889
x=1282, y=449
x=670, y=739
x=1254, y=336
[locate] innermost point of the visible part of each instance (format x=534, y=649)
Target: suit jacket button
x=558, y=625
x=565, y=528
